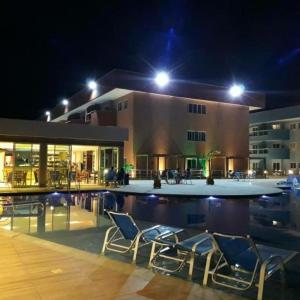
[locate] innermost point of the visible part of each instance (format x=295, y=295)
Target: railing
x=266, y=134
x=149, y=174
x=10, y=211
x=276, y=153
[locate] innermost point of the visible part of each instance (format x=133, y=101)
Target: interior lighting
x=291, y=172
x=162, y=79
x=236, y=90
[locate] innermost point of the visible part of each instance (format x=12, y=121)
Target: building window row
x=295, y=126
x=197, y=109
x=122, y=105
x=197, y=136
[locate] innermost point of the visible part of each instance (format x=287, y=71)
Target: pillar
x=121, y=157
x=43, y=165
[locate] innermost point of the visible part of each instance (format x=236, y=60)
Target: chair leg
x=105, y=242
x=207, y=267
x=152, y=253
x=136, y=248
x=261, y=281
x=191, y=266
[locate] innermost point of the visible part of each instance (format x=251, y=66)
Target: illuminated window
x=276, y=126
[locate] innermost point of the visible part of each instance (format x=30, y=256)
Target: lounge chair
x=291, y=181
x=185, y=252
x=125, y=236
x=249, y=263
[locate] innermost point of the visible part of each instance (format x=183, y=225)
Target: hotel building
x=168, y=127
x=275, y=140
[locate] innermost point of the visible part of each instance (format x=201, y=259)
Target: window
x=276, y=146
x=197, y=109
x=293, y=126
x=125, y=104
x=196, y=136
x=298, y=125
x=119, y=106
x=299, y=165
x=292, y=145
x=293, y=166
x=276, y=126
x=276, y=166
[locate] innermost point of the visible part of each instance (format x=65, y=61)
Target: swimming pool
x=269, y=219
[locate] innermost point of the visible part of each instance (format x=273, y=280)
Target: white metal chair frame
x=263, y=275
x=188, y=256
x=134, y=245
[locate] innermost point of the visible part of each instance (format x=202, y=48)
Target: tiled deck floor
x=32, y=268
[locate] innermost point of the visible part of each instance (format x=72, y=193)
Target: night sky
x=49, y=49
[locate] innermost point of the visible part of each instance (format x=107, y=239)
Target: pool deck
x=32, y=268
x=198, y=188
x=221, y=188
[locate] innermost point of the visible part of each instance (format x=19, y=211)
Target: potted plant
x=127, y=168
x=208, y=157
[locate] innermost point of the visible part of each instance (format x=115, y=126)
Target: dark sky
x=50, y=48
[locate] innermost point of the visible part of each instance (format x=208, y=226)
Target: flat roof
x=38, y=131
x=118, y=83
x=289, y=113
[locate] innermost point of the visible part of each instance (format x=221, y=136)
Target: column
x=121, y=157
x=43, y=165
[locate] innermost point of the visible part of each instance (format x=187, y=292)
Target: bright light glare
x=162, y=79
x=92, y=85
x=236, y=90
x=65, y=102
x=47, y=113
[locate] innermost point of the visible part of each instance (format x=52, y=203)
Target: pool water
x=269, y=219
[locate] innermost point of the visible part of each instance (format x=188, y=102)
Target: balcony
x=269, y=134
x=270, y=153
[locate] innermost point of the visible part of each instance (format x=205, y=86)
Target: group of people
x=177, y=175
x=115, y=177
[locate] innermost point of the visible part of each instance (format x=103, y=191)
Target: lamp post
x=65, y=103
x=48, y=115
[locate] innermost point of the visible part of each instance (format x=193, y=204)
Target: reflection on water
x=274, y=220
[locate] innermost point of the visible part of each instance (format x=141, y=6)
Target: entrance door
x=191, y=163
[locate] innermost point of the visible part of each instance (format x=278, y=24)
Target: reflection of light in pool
x=264, y=196
x=274, y=222
x=55, y=193
x=212, y=198
x=152, y=196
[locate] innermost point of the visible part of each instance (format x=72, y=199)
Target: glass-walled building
x=58, y=154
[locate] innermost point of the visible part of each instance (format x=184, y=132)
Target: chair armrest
x=150, y=229
x=199, y=242
x=272, y=259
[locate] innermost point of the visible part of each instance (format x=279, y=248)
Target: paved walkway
x=32, y=268
x=222, y=187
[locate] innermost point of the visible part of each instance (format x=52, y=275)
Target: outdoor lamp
x=236, y=90
x=65, y=103
x=162, y=79
x=92, y=85
x=48, y=114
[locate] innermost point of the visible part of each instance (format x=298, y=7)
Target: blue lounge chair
x=185, y=252
x=125, y=236
x=291, y=181
x=249, y=263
